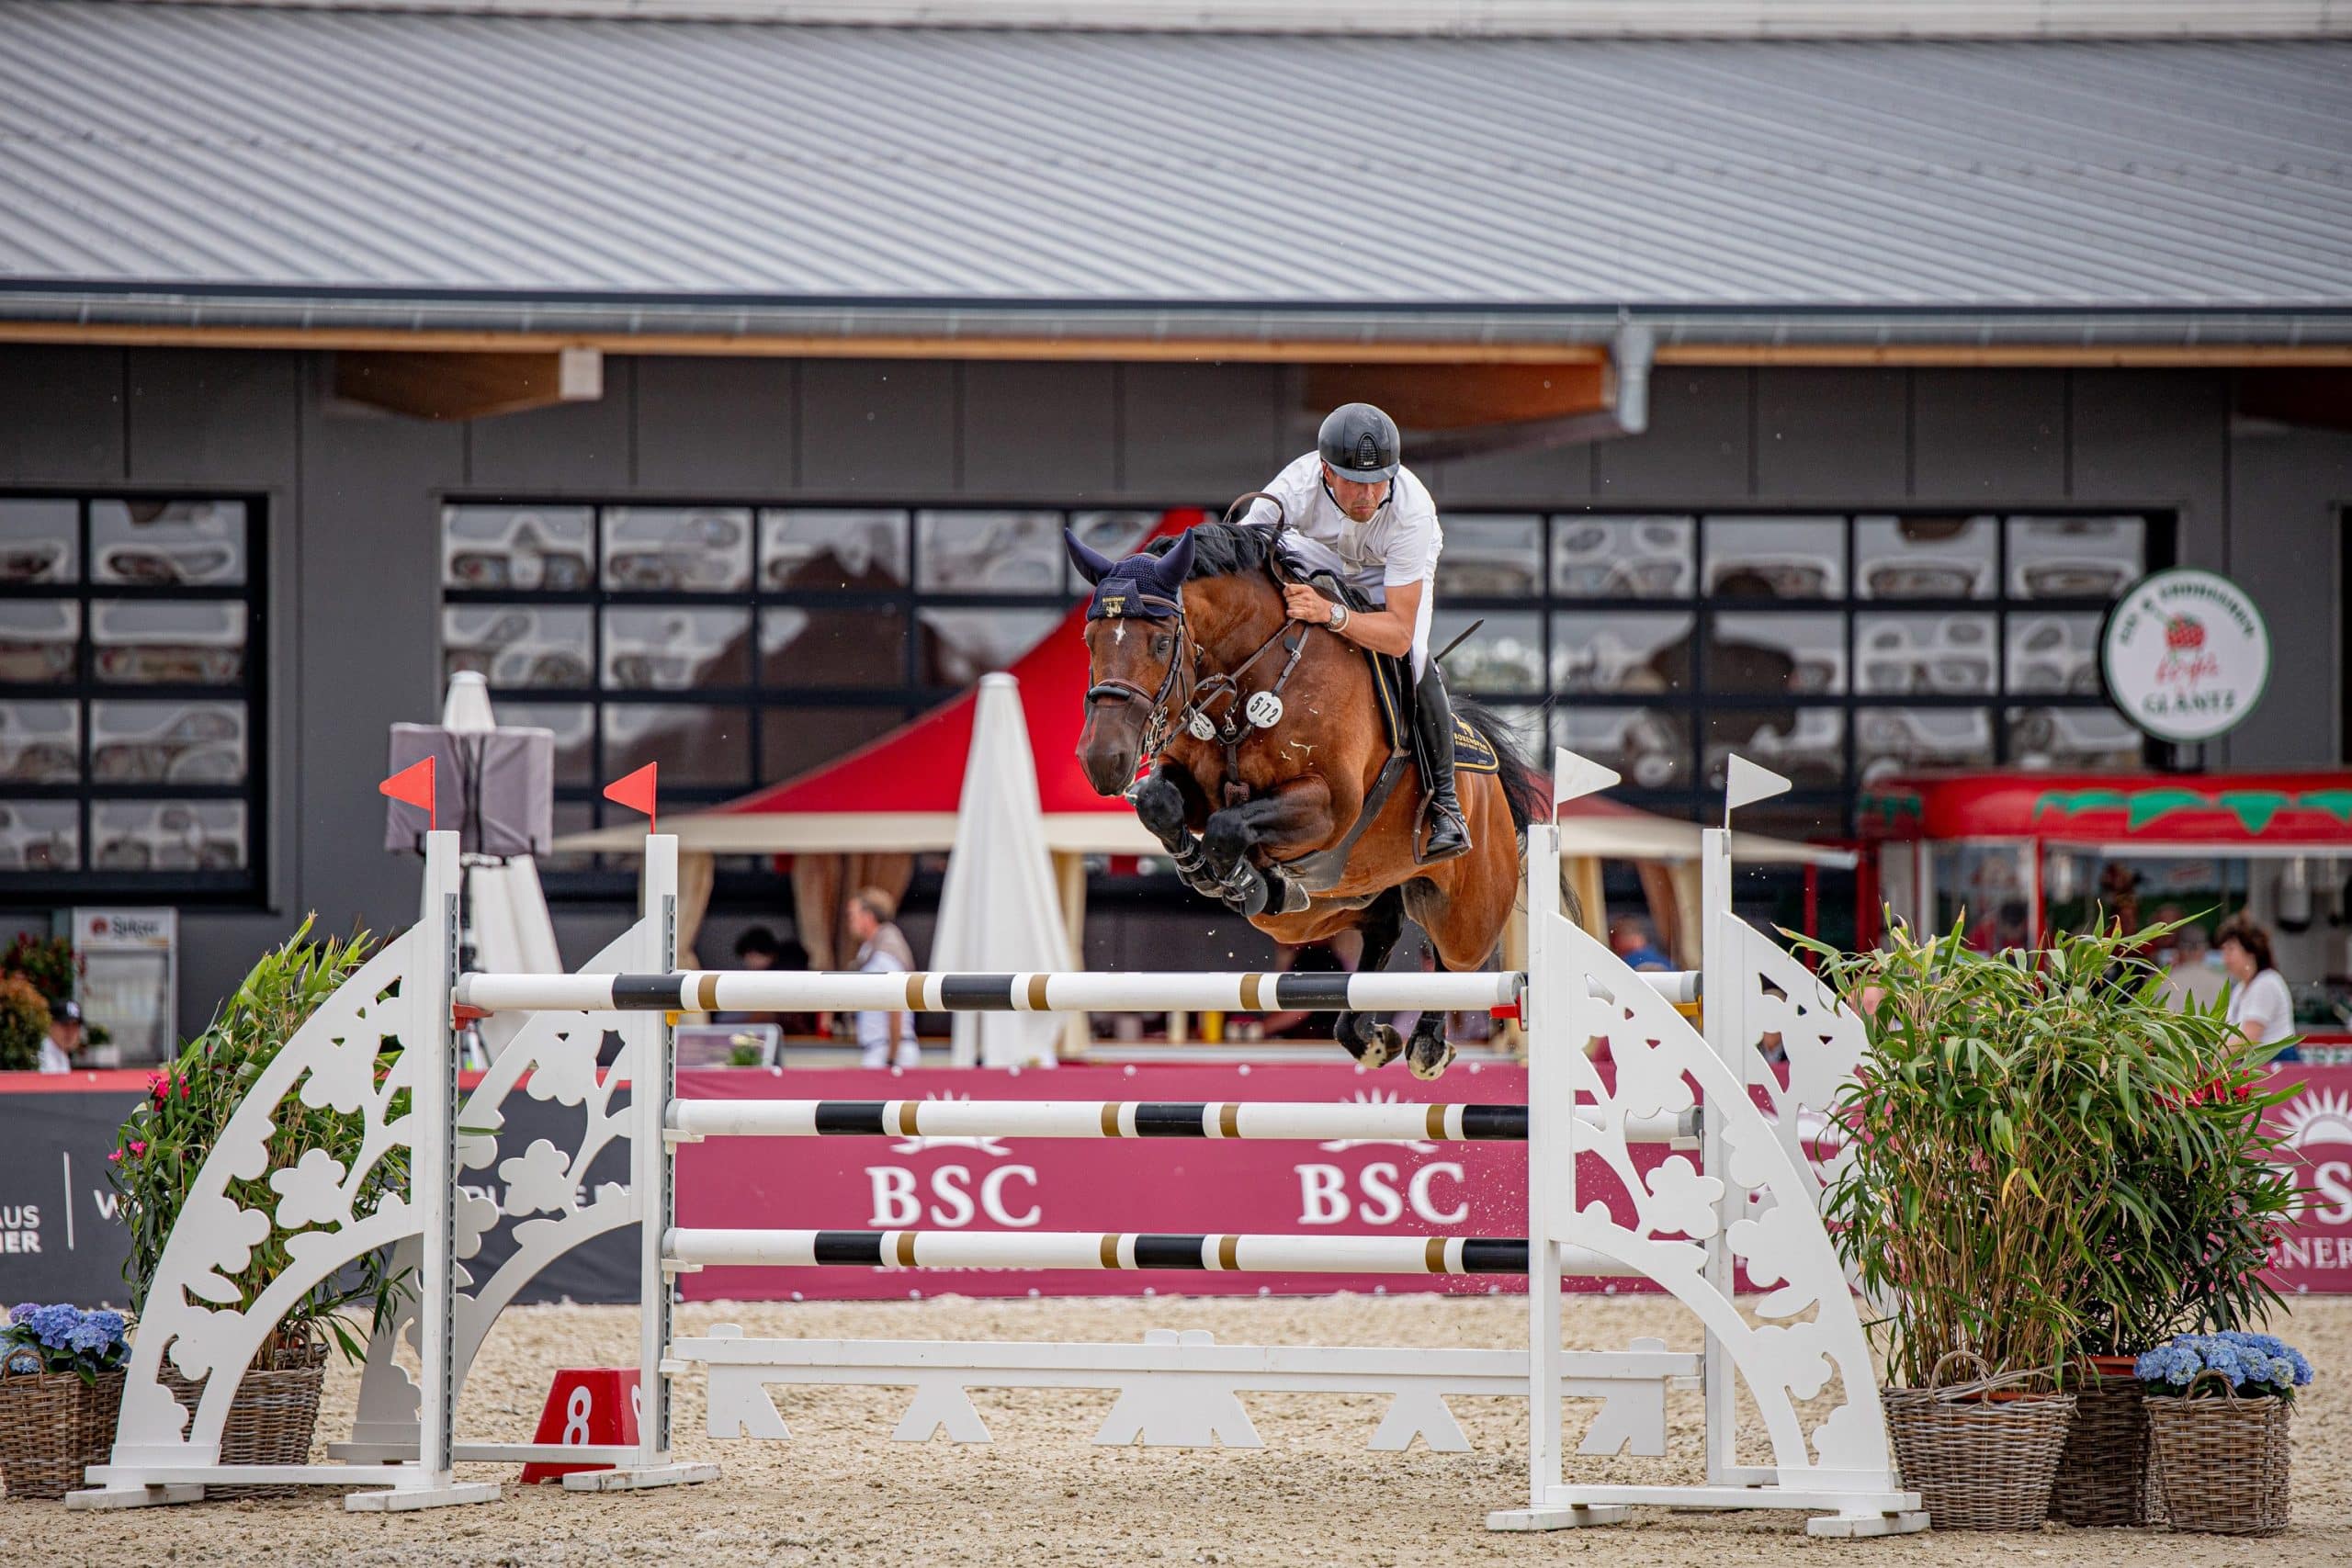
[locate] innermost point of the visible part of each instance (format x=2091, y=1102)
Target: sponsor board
x=2186, y=654
x=61, y=1239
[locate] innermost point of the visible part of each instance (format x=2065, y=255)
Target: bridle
x=1158, y=723
x=1182, y=683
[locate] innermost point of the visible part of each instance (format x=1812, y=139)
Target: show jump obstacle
x=1751, y=1201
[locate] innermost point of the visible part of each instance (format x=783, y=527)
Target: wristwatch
x=1337, y=618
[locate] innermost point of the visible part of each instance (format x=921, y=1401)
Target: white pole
x=654, y=1080
x=1403, y=1120
x=430, y=1041
x=773, y=991
x=1552, y=994
x=1117, y=1250
x=1725, y=1028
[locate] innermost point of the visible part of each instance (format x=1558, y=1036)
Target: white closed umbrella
x=1000, y=912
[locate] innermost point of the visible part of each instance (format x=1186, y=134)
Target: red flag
x=413, y=786
x=637, y=791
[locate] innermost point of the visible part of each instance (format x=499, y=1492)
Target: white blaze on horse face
x=1119, y=632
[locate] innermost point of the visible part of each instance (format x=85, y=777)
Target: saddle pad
x=1392, y=685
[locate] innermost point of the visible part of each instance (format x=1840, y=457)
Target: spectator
x=2259, y=1004
x=884, y=1039
x=2193, y=978
x=1629, y=939
x=64, y=1037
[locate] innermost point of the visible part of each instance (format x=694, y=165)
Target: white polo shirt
x=1400, y=545
x=2266, y=1000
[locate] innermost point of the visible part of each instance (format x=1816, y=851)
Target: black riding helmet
x=1360, y=443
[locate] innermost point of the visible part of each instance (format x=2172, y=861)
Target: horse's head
x=1134, y=647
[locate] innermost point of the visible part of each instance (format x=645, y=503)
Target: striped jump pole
x=768, y=990
x=1395, y=1121
x=1090, y=1250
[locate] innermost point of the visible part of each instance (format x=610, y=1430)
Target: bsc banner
x=60, y=1238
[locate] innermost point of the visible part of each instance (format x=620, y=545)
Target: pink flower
x=137, y=1147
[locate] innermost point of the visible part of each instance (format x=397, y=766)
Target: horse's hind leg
x=1370, y=1039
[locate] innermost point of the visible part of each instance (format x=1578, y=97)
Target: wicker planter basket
x=2103, y=1476
x=52, y=1426
x=2221, y=1462
x=1981, y=1455
x=273, y=1417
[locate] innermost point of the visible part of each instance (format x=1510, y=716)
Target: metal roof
x=425, y=167
x=1489, y=18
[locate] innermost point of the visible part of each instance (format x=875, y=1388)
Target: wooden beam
x=1466, y=396
x=469, y=386
x=1276, y=351
x=1287, y=350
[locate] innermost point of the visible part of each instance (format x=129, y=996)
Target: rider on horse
x=1352, y=494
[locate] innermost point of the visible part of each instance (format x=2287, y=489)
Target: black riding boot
x=1433, y=732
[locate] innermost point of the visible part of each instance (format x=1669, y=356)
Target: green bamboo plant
x=2045, y=1159
x=164, y=1142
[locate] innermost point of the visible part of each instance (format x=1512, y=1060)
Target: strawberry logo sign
x=2185, y=654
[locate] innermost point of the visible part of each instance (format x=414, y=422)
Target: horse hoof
x=1431, y=1056
x=1384, y=1046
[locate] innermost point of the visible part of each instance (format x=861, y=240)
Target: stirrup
x=1433, y=815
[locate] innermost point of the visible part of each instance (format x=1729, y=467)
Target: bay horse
x=1285, y=808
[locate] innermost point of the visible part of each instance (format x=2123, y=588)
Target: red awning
x=2156, y=810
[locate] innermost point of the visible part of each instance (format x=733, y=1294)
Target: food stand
x=2014, y=856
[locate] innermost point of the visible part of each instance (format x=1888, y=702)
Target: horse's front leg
x=1290, y=819
x=1163, y=800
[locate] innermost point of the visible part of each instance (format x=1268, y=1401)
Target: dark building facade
x=223, y=583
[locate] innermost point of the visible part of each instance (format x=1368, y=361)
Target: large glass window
x=739, y=646
x=131, y=666
x=1835, y=647
x=735, y=645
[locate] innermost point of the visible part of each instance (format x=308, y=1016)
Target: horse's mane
x=1221, y=550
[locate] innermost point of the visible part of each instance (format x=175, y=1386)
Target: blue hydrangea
x=2257, y=1363
x=55, y=1326
x=23, y=1312
x=113, y=1322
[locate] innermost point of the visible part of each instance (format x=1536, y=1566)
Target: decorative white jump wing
x=1660, y=1062
x=329, y=1063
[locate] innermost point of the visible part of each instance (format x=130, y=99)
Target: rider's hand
x=1302, y=603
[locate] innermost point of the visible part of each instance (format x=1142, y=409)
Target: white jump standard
x=1748, y=1201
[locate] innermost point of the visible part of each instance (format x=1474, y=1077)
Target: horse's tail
x=1513, y=770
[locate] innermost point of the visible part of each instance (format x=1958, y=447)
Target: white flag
x=1573, y=777
x=1744, y=783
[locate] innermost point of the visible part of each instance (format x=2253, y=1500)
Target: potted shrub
x=2220, y=1405
x=61, y=1388
x=24, y=1023
x=2004, y=1188
x=53, y=968
x=164, y=1144
x=2199, y=1201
